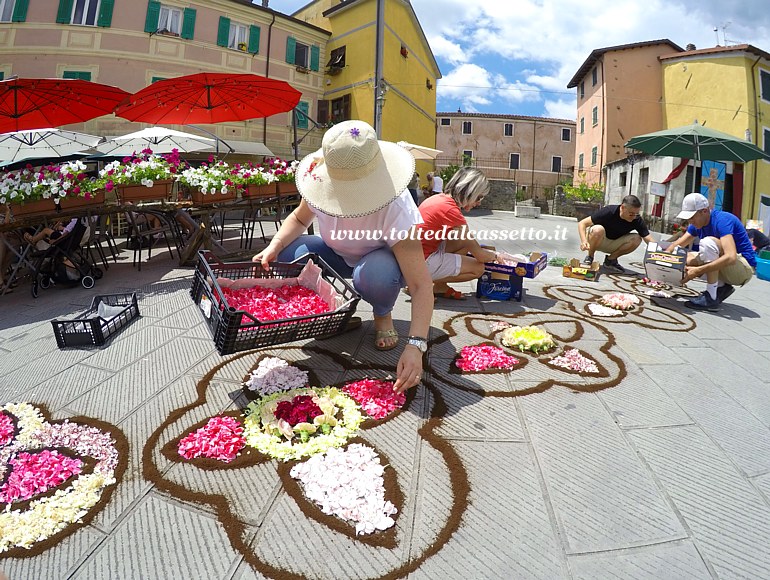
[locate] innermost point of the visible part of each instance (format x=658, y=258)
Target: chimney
x=690, y=46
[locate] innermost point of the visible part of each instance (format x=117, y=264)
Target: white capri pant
x=443, y=265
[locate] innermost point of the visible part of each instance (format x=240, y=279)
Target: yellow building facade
x=379, y=68
x=727, y=89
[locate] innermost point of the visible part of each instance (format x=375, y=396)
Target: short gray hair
x=467, y=186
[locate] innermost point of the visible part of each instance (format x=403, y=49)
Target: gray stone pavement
x=658, y=469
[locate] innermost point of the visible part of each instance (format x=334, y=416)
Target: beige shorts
x=442, y=265
x=609, y=246
x=736, y=274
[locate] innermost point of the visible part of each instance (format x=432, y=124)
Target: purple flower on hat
x=355, y=132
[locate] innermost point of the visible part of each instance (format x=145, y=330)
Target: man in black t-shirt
x=609, y=231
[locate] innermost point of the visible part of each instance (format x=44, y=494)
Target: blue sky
x=517, y=56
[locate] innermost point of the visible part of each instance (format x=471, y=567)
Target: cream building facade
x=536, y=153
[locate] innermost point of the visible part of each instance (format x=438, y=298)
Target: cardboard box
x=576, y=269
x=501, y=282
x=664, y=266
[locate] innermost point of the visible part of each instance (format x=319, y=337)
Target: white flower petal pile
x=274, y=375
x=599, y=310
x=348, y=483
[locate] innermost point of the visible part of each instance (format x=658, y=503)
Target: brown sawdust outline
x=687, y=322
x=235, y=529
x=122, y=447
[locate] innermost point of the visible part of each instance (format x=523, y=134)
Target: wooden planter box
x=268, y=190
x=199, y=198
x=286, y=187
x=160, y=190
x=48, y=206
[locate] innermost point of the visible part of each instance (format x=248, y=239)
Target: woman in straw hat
x=356, y=187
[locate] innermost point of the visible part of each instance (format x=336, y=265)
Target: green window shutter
x=2, y=76
x=156, y=79
x=223, y=35
x=254, y=32
x=302, y=115
x=64, y=15
x=76, y=74
x=291, y=48
x=315, y=54
x=188, y=23
x=153, y=15
x=105, y=13
x=20, y=11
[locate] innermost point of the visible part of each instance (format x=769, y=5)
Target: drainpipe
x=603, y=85
x=379, y=82
x=267, y=74
x=756, y=135
x=534, y=143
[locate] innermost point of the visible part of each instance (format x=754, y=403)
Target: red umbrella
x=42, y=103
x=209, y=98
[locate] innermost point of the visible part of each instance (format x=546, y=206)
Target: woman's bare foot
x=386, y=337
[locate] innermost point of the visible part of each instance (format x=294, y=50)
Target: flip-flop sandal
x=450, y=294
x=385, y=334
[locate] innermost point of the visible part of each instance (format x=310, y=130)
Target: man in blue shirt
x=726, y=256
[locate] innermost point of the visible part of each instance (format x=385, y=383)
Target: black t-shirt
x=757, y=238
x=615, y=226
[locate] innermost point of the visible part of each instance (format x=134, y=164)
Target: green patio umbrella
x=697, y=142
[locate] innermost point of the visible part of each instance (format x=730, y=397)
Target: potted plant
x=142, y=176
x=586, y=199
x=210, y=182
x=30, y=191
x=254, y=181
x=283, y=174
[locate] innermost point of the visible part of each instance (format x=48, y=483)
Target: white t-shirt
x=438, y=184
x=353, y=238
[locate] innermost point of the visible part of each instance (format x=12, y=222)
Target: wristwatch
x=419, y=342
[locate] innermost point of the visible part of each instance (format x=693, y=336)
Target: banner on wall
x=712, y=182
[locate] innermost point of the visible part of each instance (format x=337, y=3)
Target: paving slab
x=728, y=518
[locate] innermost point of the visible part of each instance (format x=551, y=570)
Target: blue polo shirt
x=723, y=223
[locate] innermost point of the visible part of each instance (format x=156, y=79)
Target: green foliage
x=448, y=172
x=583, y=192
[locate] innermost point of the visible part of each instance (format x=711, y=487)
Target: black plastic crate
x=236, y=330
x=93, y=330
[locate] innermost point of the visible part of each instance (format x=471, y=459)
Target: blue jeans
x=377, y=277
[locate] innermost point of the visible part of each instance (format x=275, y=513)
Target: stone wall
x=502, y=195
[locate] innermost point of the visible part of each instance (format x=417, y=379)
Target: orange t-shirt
x=438, y=211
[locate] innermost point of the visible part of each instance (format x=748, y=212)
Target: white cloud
x=448, y=50
x=560, y=109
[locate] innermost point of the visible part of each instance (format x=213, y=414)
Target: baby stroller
x=65, y=263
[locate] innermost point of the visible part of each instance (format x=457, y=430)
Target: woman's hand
x=269, y=254
x=409, y=369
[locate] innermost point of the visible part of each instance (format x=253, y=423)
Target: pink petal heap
x=276, y=304
x=221, y=439
x=348, y=484
x=35, y=473
x=84, y=440
x=655, y=284
x=619, y=300
x=6, y=429
x=375, y=397
x=483, y=357
x=574, y=361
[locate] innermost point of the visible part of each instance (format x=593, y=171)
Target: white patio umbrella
x=159, y=139
x=40, y=143
x=420, y=151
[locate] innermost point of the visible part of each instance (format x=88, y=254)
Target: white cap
x=691, y=204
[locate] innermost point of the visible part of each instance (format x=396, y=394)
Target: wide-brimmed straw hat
x=354, y=174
